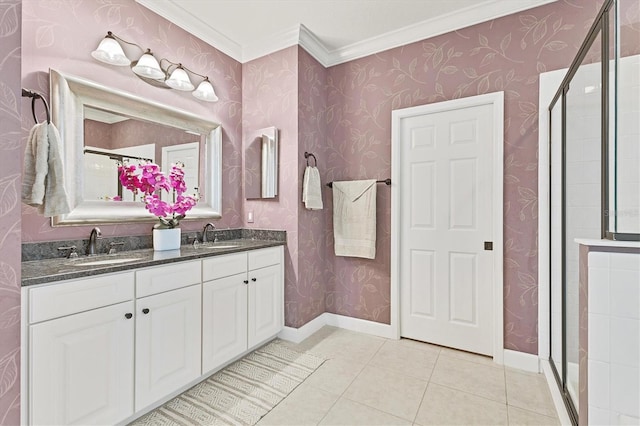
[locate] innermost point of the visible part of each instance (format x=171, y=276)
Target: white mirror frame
x=68, y=97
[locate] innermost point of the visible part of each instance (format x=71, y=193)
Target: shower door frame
x=600, y=28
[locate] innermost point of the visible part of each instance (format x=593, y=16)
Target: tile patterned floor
x=369, y=380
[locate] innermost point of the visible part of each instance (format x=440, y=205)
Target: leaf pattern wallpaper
x=286, y=89
x=10, y=181
x=506, y=54
x=269, y=98
x=342, y=114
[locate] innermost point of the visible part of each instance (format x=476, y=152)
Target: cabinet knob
x=145, y=311
x=128, y=315
x=246, y=281
x=254, y=279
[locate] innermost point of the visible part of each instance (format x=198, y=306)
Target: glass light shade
x=205, y=92
x=110, y=52
x=148, y=67
x=179, y=80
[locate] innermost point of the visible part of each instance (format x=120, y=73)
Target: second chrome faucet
x=205, y=239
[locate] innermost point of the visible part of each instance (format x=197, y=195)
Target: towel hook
x=34, y=95
x=315, y=160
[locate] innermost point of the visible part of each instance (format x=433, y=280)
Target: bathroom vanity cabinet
x=242, y=304
x=80, y=350
x=168, y=330
x=108, y=348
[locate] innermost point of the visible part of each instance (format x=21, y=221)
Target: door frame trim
x=496, y=100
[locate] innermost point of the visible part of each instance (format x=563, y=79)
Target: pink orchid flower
x=148, y=179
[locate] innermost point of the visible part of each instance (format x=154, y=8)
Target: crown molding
x=282, y=40
x=301, y=35
x=482, y=12
x=314, y=46
x=194, y=25
x=297, y=35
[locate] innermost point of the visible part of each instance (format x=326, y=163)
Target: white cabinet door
x=265, y=304
x=167, y=343
x=81, y=367
x=224, y=320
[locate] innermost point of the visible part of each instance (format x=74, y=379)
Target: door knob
x=128, y=315
x=246, y=281
x=254, y=279
x=145, y=311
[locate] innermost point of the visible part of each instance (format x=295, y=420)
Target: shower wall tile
x=599, y=384
x=599, y=416
x=625, y=261
x=624, y=294
x=625, y=391
x=625, y=341
x=598, y=291
x=613, y=381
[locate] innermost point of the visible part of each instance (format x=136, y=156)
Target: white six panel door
x=446, y=275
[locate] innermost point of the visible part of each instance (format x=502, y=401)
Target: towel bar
x=307, y=155
x=385, y=181
x=35, y=95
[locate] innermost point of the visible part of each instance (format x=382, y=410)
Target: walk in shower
x=594, y=173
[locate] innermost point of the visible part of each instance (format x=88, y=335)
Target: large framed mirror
x=100, y=126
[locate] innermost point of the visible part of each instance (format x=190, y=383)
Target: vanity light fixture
x=150, y=70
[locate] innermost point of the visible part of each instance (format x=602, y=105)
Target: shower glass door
x=582, y=201
x=576, y=135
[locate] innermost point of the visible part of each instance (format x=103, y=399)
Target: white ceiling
x=333, y=31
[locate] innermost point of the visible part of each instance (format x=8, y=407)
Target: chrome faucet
x=204, y=231
x=95, y=234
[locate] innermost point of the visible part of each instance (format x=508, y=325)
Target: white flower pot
x=166, y=239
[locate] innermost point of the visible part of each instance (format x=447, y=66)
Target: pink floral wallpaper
x=287, y=89
x=505, y=54
x=61, y=35
x=10, y=182
x=269, y=98
x=312, y=134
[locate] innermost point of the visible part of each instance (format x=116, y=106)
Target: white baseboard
x=360, y=325
x=563, y=415
x=297, y=335
x=521, y=361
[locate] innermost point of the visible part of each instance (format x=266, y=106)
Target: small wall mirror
x=100, y=126
x=261, y=164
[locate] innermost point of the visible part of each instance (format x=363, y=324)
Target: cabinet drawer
x=81, y=295
x=264, y=257
x=159, y=279
x=224, y=266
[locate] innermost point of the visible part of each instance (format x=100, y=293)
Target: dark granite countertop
x=51, y=270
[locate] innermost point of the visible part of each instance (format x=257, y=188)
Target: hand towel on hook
x=43, y=179
x=354, y=218
x=312, y=189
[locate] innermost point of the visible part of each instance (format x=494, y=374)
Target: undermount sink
x=114, y=261
x=220, y=246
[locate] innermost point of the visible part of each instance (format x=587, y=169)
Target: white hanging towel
x=312, y=189
x=354, y=218
x=43, y=177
